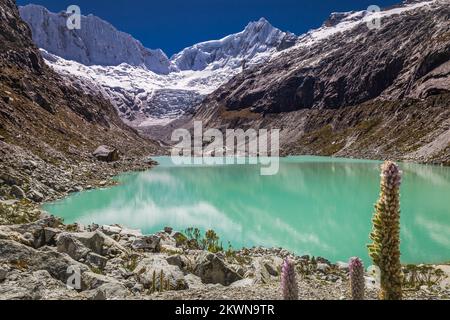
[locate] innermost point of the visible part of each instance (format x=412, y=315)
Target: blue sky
x=175, y=24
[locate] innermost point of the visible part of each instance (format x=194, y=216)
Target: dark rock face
x=330, y=84
x=349, y=68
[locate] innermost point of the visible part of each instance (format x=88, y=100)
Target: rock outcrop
x=147, y=88
x=211, y=269
x=157, y=274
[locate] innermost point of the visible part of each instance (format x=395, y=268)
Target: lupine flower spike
x=385, y=248
x=289, y=284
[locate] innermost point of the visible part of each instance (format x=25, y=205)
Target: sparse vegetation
x=96, y=270
x=416, y=276
x=230, y=253
x=159, y=283
x=305, y=268
x=362, y=131
x=181, y=239
x=194, y=239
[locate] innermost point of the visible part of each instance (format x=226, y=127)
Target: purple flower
x=289, y=284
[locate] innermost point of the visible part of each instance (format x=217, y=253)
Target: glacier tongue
x=143, y=97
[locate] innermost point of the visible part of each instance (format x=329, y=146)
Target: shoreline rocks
x=38, y=260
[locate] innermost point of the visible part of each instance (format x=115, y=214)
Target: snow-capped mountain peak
x=234, y=50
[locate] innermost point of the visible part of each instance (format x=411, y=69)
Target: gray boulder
x=247, y=282
x=96, y=242
x=116, y=268
x=36, y=196
x=4, y=269
x=323, y=267
x=148, y=243
x=110, y=291
x=213, y=270
x=194, y=282
x=111, y=230
x=50, y=235
x=262, y=269
x=130, y=233
x=96, y=260
x=37, y=234
x=106, y=154
x=178, y=260
x=273, y=265
x=167, y=240
x=27, y=258
x=92, y=240
x=168, y=230
x=17, y=192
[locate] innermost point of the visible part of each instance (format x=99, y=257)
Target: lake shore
x=118, y=263
x=304, y=208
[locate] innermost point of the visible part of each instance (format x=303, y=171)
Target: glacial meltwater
x=314, y=205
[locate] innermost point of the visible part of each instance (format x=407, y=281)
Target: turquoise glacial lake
x=314, y=205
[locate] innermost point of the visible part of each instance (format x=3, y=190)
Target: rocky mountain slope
x=48, y=127
x=155, y=92
x=350, y=90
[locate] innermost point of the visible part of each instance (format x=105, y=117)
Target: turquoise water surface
x=314, y=205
